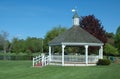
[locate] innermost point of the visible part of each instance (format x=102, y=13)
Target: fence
x=40, y=60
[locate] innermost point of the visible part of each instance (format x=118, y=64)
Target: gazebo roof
x=75, y=35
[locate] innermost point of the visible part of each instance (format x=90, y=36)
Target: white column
x=63, y=46
x=50, y=53
x=101, y=52
x=86, y=54
x=52, y=50
x=33, y=62
x=43, y=59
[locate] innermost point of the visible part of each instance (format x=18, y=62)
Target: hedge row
x=20, y=56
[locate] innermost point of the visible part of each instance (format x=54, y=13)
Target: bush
x=103, y=62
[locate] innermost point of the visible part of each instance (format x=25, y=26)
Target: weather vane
x=74, y=9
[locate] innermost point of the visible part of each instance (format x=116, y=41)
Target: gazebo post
x=63, y=46
x=52, y=50
x=50, y=53
x=86, y=54
x=101, y=52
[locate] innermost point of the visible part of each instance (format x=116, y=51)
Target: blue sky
x=34, y=18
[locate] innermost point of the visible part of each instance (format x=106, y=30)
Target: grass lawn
x=24, y=70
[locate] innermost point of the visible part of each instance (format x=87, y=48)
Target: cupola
x=76, y=19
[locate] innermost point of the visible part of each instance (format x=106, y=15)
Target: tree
x=34, y=44
x=3, y=40
x=110, y=38
x=29, y=45
x=110, y=50
x=18, y=45
x=117, y=38
x=94, y=27
x=51, y=35
x=110, y=35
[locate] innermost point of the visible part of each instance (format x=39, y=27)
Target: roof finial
x=74, y=10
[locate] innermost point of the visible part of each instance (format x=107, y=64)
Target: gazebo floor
x=73, y=64
x=77, y=63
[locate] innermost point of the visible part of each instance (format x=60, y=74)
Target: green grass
x=24, y=70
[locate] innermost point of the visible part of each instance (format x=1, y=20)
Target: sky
x=34, y=18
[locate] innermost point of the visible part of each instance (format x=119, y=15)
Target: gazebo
x=76, y=36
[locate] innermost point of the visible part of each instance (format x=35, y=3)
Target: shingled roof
x=75, y=35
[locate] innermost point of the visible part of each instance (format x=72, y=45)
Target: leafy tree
x=110, y=50
x=3, y=40
x=110, y=38
x=110, y=35
x=18, y=45
x=34, y=44
x=94, y=27
x=30, y=45
x=117, y=38
x=91, y=24
x=51, y=35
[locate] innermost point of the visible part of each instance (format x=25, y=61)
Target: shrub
x=103, y=62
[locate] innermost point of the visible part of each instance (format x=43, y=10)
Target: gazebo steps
x=38, y=64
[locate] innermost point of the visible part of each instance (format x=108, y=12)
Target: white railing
x=40, y=60
x=93, y=59
x=74, y=58
x=56, y=58
x=43, y=60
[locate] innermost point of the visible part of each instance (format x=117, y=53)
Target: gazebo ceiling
x=75, y=35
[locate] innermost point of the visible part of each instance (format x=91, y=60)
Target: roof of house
x=75, y=35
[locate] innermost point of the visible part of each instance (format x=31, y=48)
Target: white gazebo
x=76, y=36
